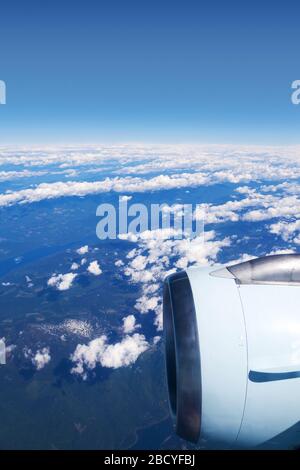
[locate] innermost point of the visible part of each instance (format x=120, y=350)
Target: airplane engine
x=232, y=339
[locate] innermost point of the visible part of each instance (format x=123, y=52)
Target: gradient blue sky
x=148, y=70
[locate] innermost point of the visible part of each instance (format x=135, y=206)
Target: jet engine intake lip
x=182, y=355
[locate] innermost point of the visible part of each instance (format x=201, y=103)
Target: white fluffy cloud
x=40, y=358
x=83, y=188
x=62, y=281
x=83, y=250
x=99, y=351
x=125, y=198
x=129, y=324
x=94, y=268
x=147, y=303
x=289, y=231
x=119, y=263
x=155, y=256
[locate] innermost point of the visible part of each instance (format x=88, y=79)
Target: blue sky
x=154, y=71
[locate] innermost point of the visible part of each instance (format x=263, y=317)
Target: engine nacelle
x=232, y=340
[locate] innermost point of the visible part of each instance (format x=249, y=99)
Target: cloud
x=71, y=326
x=100, y=352
x=160, y=167
x=60, y=189
x=286, y=230
x=94, y=268
x=119, y=263
x=13, y=175
x=253, y=161
x=83, y=250
x=125, y=198
x=286, y=251
x=145, y=304
x=264, y=188
x=129, y=324
x=157, y=254
x=279, y=207
x=39, y=359
x=62, y=281
x=139, y=263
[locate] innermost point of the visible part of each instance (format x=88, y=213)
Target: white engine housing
x=233, y=351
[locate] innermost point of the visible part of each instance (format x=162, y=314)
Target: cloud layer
x=262, y=190
x=141, y=168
